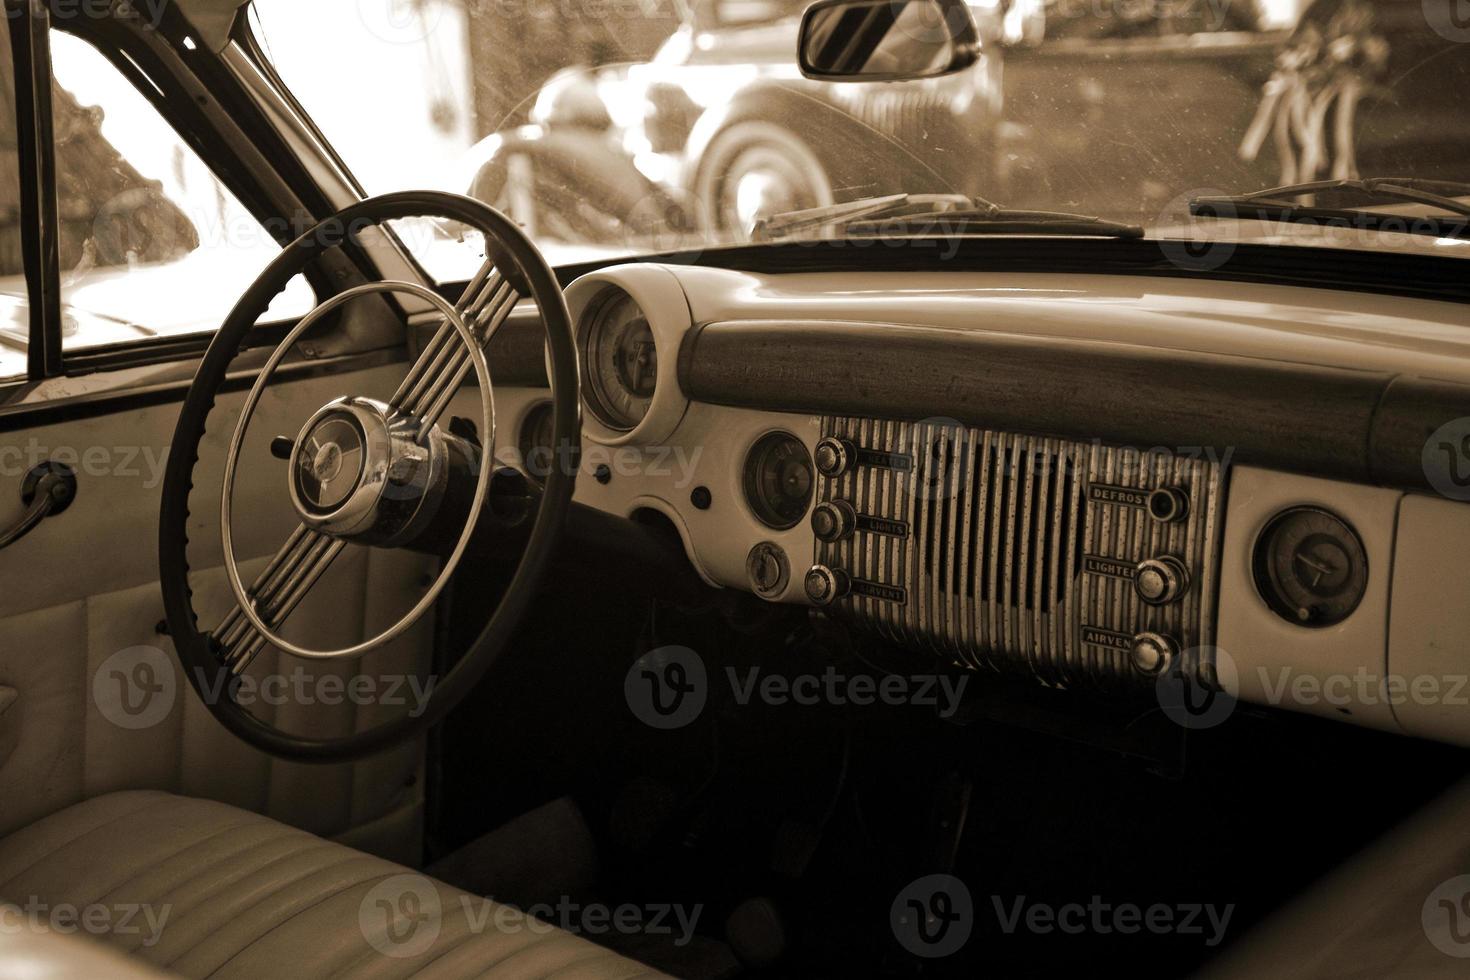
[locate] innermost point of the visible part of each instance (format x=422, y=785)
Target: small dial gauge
x=1310, y=567
x=538, y=455
x=619, y=361
x=778, y=480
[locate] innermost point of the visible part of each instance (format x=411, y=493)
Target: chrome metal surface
x=1019, y=553
x=308, y=552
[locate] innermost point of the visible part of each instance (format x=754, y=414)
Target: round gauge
x=538, y=455
x=619, y=361
x=1310, y=567
x=778, y=480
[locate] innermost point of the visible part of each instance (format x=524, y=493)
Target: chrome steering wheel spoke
x=443, y=365
x=295, y=568
x=371, y=501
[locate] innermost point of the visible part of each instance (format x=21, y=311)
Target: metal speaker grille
x=980, y=545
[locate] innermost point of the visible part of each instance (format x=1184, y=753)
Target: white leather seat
x=235, y=894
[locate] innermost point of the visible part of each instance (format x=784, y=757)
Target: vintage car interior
x=913, y=585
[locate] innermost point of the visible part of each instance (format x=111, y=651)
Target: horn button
x=360, y=471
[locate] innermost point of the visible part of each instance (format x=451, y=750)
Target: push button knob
x=1168, y=504
x=1153, y=653
x=833, y=520
x=825, y=585
x=1161, y=580
x=834, y=456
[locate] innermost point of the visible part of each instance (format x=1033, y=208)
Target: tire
x=752, y=169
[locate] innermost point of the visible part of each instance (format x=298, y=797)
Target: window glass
x=15, y=317
x=151, y=243
x=644, y=126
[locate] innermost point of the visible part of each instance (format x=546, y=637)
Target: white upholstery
x=249, y=897
x=82, y=587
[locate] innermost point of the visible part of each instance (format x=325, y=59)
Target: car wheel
x=755, y=169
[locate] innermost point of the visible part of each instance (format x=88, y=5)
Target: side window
x=15, y=315
x=151, y=243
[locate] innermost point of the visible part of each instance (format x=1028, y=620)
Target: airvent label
x=1099, y=565
x=877, y=590
x=1126, y=496
x=1098, y=637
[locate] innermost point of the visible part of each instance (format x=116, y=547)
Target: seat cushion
x=203, y=889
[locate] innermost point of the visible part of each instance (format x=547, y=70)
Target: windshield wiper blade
x=1001, y=221
x=1278, y=204
x=908, y=214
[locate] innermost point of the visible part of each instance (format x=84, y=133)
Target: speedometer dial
x=619, y=361
x=1310, y=567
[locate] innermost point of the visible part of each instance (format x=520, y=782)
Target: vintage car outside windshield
x=624, y=128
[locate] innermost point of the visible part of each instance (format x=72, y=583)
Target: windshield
x=614, y=127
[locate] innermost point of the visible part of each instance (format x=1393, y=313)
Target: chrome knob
x=833, y=520
x=1161, y=580
x=1153, y=653
x=825, y=585
x=1168, y=504
x=834, y=456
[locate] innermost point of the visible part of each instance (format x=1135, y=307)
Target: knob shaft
x=834, y=456
x=1161, y=580
x=825, y=585
x=1168, y=504
x=1153, y=653
x=833, y=520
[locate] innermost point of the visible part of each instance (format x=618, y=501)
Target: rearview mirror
x=886, y=40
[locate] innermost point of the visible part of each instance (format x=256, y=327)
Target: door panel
x=80, y=595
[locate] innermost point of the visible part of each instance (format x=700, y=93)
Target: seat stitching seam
x=266, y=897
x=301, y=911
x=210, y=892
x=58, y=850
x=185, y=849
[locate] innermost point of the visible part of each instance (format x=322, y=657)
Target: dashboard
x=1085, y=480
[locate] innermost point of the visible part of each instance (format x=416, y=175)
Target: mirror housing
x=886, y=40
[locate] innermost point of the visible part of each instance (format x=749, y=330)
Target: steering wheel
x=376, y=473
